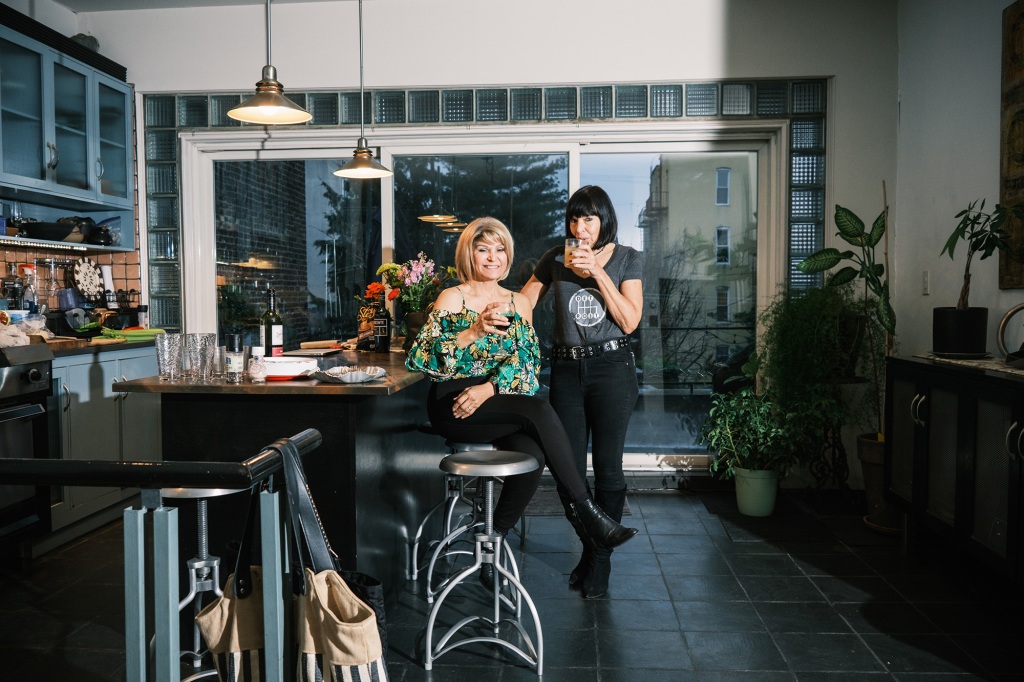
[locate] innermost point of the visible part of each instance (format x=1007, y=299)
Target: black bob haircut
x=591, y=200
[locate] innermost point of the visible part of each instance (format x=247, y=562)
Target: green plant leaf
x=842, y=277
x=851, y=228
x=819, y=262
x=877, y=229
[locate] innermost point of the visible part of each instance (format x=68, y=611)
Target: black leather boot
x=578, y=574
x=601, y=529
x=595, y=585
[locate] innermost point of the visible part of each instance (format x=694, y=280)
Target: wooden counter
x=373, y=478
x=396, y=379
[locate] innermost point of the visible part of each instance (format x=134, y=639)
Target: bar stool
x=490, y=548
x=455, y=492
x=203, y=571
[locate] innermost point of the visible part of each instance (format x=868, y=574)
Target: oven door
x=21, y=429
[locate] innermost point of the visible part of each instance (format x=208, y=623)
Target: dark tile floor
x=701, y=594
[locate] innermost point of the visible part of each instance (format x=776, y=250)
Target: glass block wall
x=801, y=101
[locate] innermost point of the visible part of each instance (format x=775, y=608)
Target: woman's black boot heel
x=601, y=528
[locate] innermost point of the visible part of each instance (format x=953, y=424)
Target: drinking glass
x=570, y=249
x=199, y=354
x=168, y=356
x=506, y=309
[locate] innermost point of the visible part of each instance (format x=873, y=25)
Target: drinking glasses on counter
x=200, y=351
x=168, y=356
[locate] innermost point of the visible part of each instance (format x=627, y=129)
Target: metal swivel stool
x=455, y=492
x=203, y=572
x=489, y=549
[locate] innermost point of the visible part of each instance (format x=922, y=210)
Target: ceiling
x=108, y=5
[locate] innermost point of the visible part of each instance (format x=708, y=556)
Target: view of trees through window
x=317, y=240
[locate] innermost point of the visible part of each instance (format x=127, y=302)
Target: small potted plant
x=753, y=444
x=962, y=330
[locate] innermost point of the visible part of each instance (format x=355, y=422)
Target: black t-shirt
x=581, y=317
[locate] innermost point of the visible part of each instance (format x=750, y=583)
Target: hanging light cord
x=362, y=97
x=269, y=61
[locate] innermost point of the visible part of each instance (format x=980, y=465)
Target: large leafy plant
x=863, y=262
x=983, y=233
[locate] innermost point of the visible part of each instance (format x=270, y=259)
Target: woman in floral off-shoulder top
x=480, y=349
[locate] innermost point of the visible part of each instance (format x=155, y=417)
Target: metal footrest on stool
x=489, y=548
x=455, y=492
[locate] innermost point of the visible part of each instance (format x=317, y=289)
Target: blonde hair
x=488, y=230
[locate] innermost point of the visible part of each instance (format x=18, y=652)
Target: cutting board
x=103, y=341
x=319, y=344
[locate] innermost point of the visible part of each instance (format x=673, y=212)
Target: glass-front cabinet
x=66, y=128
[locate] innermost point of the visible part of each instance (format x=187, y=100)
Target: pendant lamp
x=362, y=166
x=269, y=106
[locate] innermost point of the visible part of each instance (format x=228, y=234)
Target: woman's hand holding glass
x=582, y=260
x=495, y=318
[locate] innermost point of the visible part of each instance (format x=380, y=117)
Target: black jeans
x=594, y=398
x=510, y=422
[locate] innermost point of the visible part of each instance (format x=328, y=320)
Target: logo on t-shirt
x=586, y=307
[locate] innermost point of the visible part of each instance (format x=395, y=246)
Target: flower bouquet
x=415, y=283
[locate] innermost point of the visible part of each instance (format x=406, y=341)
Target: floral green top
x=511, y=361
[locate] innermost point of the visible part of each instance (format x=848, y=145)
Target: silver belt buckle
x=572, y=353
x=611, y=345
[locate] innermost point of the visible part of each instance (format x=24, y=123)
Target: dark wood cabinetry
x=953, y=442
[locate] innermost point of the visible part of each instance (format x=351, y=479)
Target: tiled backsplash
x=126, y=267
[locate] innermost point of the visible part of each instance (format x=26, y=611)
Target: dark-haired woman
x=598, y=301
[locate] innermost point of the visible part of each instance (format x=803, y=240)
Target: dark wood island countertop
x=396, y=379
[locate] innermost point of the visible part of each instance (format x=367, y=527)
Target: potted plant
x=862, y=265
x=752, y=443
x=811, y=349
x=963, y=330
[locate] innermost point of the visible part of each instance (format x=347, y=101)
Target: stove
x=25, y=374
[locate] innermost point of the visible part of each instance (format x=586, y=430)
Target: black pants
x=510, y=422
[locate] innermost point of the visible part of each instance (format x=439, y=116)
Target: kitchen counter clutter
x=374, y=476
x=395, y=378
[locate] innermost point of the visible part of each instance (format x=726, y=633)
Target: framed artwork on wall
x=1011, y=143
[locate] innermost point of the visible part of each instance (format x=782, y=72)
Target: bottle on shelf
x=272, y=328
x=382, y=327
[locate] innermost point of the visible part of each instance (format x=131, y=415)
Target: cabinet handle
x=54, y=156
x=1006, y=441
x=124, y=396
x=920, y=404
x=99, y=168
x=67, y=397
x=914, y=410
x=1020, y=434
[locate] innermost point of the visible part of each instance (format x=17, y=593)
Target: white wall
x=949, y=72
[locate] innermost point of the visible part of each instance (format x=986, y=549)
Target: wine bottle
x=382, y=327
x=272, y=328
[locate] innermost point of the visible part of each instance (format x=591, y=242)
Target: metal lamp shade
x=269, y=106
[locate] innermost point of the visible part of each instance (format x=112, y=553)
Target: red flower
x=374, y=290
x=395, y=293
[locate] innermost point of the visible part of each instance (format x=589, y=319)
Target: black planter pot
x=960, y=331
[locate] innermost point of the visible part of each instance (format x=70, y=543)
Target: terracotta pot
x=413, y=323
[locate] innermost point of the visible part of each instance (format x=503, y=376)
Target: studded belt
x=591, y=351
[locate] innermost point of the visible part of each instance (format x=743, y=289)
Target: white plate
x=350, y=375
x=88, y=279
x=289, y=367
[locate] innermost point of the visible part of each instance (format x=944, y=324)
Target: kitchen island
x=373, y=478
